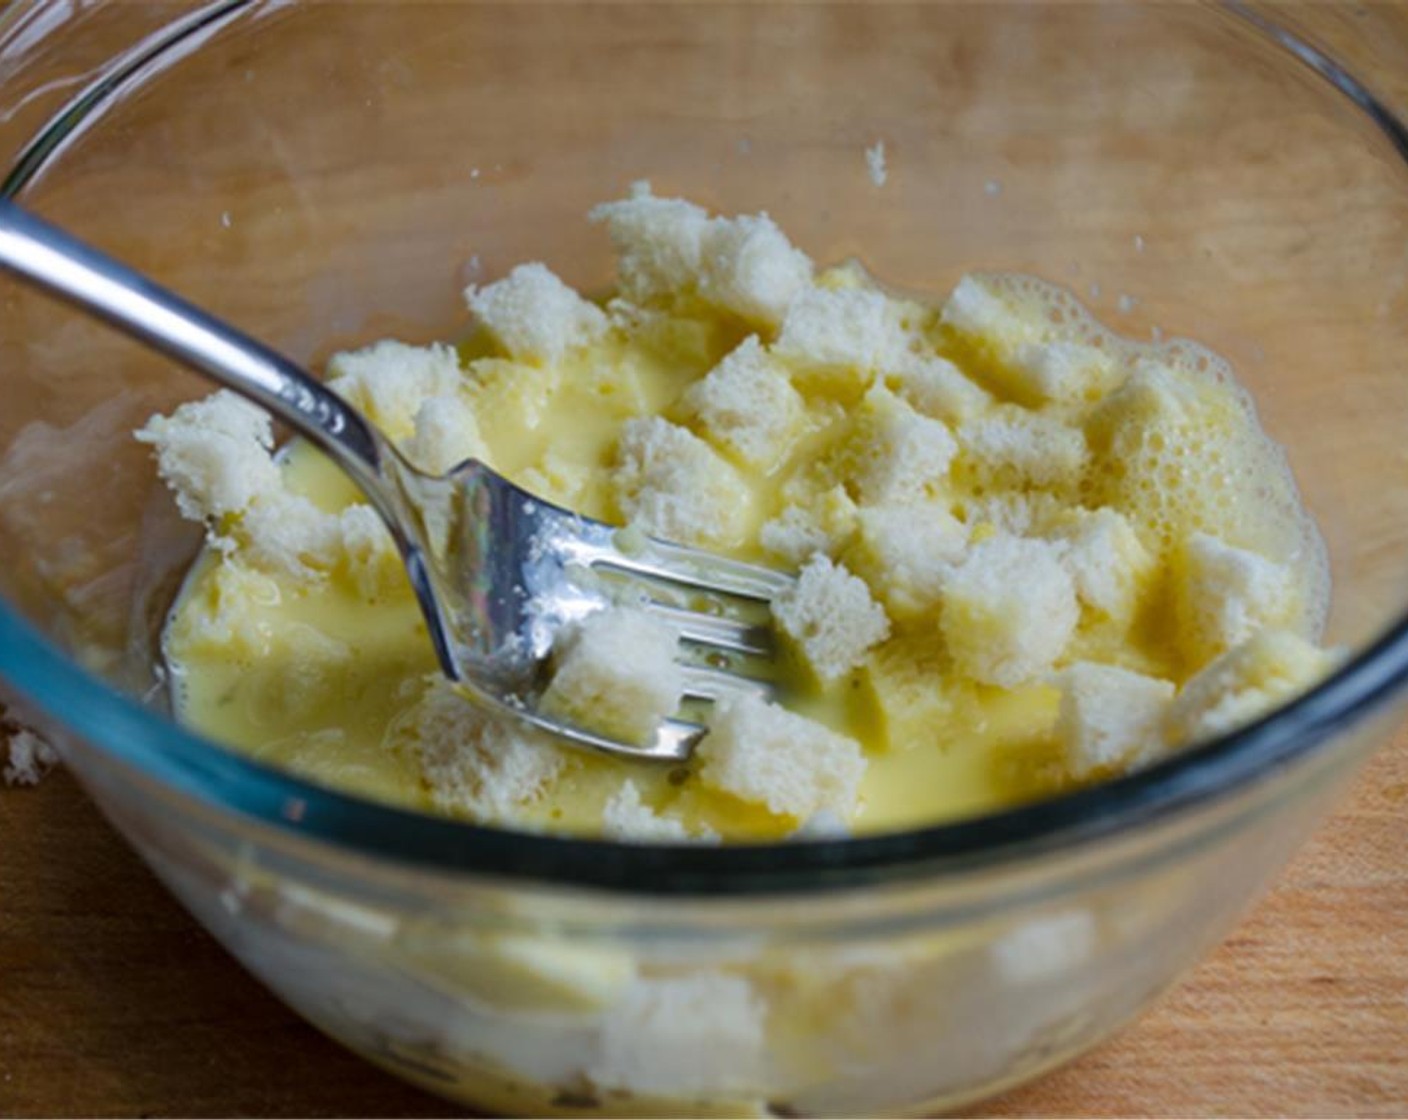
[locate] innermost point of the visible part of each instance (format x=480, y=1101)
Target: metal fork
x=497, y=572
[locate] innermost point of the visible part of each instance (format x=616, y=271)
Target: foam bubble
x=1179, y=448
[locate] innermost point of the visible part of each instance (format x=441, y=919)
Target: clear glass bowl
x=326, y=177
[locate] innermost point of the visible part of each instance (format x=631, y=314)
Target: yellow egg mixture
x=1034, y=555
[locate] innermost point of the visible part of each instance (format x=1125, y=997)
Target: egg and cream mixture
x=1031, y=554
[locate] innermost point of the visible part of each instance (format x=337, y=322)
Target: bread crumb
x=1106, y=559
x=31, y=757
x=821, y=525
x=658, y=242
x=1014, y=447
x=875, y=163
x=1060, y=371
x=446, y=434
x=938, y=388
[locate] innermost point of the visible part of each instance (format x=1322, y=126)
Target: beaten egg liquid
x=316, y=675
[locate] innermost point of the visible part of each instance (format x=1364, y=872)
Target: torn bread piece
x=747, y=407
x=1008, y=611
x=669, y=483
x=616, y=674
x=534, y=316
x=830, y=619
x=626, y=817
x=766, y=755
x=1244, y=684
x=1111, y=718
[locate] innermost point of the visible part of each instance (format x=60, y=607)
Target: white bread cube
x=1147, y=436
x=1243, y=685
x=1025, y=355
x=694, y=1035
x=1110, y=566
x=669, y=483
x=973, y=308
x=1152, y=399
x=616, y=673
x=534, y=316
x=474, y=764
x=1060, y=370
x=766, y=755
x=389, y=381
x=839, y=338
x=287, y=533
x=938, y=388
x=751, y=269
x=446, y=434
x=821, y=525
x=1224, y=594
x=215, y=455
x=896, y=455
x=1009, y=610
x=626, y=817
x=1015, y=447
x=830, y=619
x=905, y=688
x=795, y=535
x=905, y=553
x=1110, y=718
x=1053, y=947
x=658, y=242
x=987, y=317
x=746, y=406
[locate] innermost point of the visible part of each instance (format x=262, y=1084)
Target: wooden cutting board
x=114, y=1002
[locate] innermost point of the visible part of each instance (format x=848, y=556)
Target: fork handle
x=66, y=267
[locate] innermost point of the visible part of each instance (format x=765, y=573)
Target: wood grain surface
x=114, y=1002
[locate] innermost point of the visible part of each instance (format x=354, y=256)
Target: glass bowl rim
x=158, y=748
